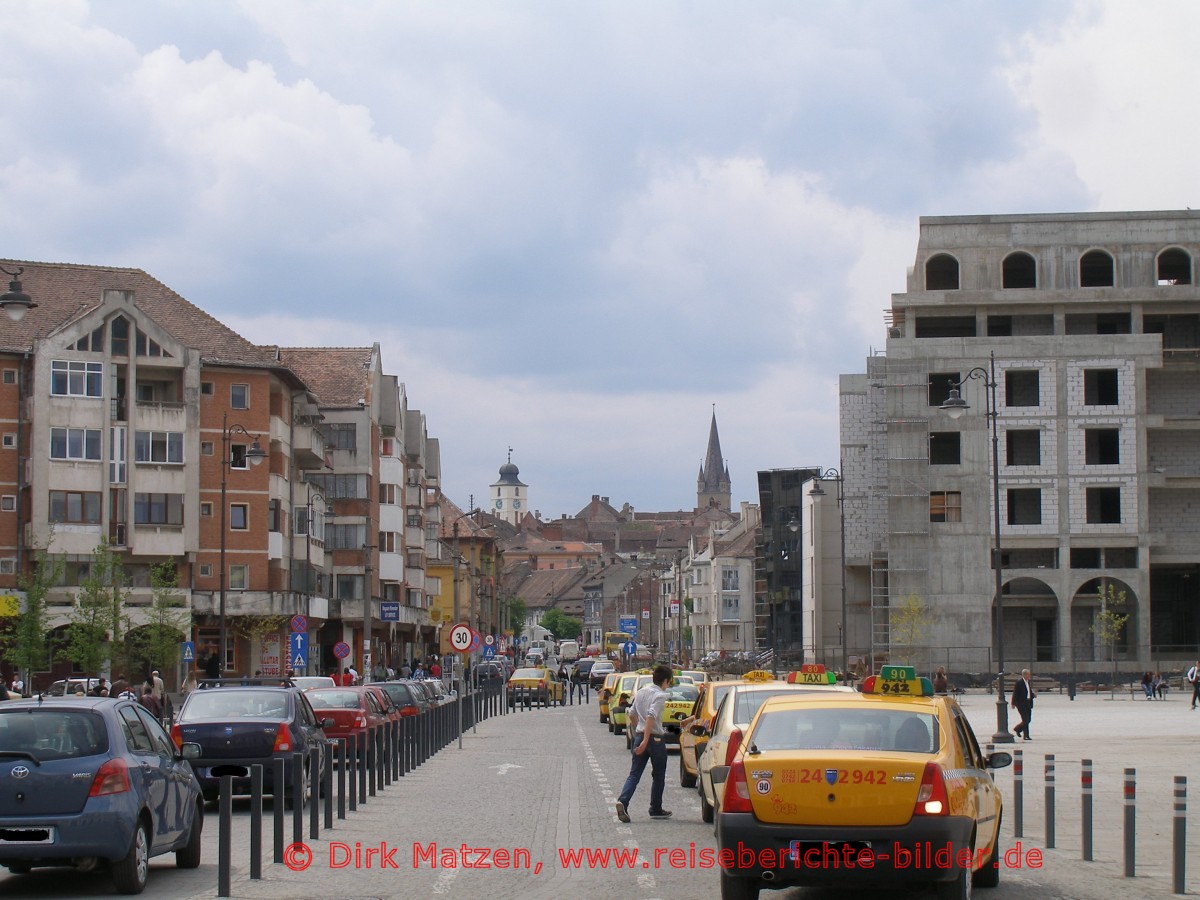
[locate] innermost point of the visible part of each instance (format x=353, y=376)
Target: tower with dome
x=509, y=499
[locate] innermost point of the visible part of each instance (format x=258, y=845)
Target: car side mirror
x=326, y=723
x=190, y=750
x=698, y=730
x=999, y=760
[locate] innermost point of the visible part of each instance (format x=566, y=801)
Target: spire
x=713, y=485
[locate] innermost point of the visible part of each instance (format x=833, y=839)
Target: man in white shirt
x=644, y=721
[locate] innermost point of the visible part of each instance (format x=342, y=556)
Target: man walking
x=1022, y=701
x=1193, y=677
x=645, y=724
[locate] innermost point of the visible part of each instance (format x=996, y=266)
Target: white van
x=568, y=651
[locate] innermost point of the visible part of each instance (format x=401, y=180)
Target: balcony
x=160, y=415
x=308, y=447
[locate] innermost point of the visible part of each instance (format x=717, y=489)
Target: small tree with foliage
x=559, y=624
x=1109, y=624
x=168, y=621
x=255, y=628
x=27, y=645
x=517, y=610
x=99, y=623
x=909, y=624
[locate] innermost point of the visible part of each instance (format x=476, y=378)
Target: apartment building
x=719, y=575
x=1085, y=327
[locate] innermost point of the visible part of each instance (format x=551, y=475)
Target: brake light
x=931, y=798
x=737, y=791
x=283, y=739
x=360, y=721
x=111, y=778
x=735, y=744
x=177, y=736
x=541, y=684
x=408, y=711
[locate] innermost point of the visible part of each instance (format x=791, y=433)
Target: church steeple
x=712, y=487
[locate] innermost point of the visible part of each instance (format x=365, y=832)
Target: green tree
x=156, y=644
x=27, y=645
x=517, y=610
x=1109, y=624
x=255, y=628
x=99, y=623
x=909, y=624
x=559, y=624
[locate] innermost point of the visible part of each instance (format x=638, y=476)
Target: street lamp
x=15, y=302
x=817, y=491
x=955, y=406
x=254, y=455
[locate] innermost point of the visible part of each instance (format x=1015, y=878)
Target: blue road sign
x=629, y=648
x=389, y=611
x=629, y=625
x=187, y=651
x=488, y=651
x=298, y=650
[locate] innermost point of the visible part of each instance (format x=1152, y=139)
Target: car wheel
x=129, y=873
x=988, y=875
x=734, y=888
x=686, y=779
x=612, y=728
x=959, y=888
x=603, y=718
x=188, y=856
x=706, y=810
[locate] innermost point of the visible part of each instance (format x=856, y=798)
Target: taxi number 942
x=845, y=776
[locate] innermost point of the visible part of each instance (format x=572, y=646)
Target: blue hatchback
x=91, y=782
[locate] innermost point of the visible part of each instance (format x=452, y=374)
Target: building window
x=75, y=443
x=1100, y=387
x=1104, y=506
x=1025, y=506
x=1096, y=269
x=75, y=507
x=8, y=566
x=1022, y=387
x=1024, y=447
x=238, y=577
x=414, y=518
x=341, y=487
x=1019, y=270
x=239, y=396
x=10, y=376
x=1103, y=446
x=205, y=570
x=940, y=385
x=1174, y=267
x=945, y=506
x=730, y=580
x=158, y=447
x=207, y=388
x=387, y=494
x=120, y=336
x=341, y=435
x=10, y=441
x=349, y=587
x=76, y=379
x=157, y=509
x=207, y=448
x=206, y=509
x=239, y=516
x=945, y=448
x=941, y=273
x=237, y=457
x=945, y=326
x=8, y=503
x=345, y=537
x=274, y=515
x=390, y=542
x=387, y=447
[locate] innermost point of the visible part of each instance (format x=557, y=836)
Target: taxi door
x=985, y=796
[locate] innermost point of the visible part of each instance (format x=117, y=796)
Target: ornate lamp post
x=254, y=455
x=15, y=302
x=816, y=491
x=955, y=406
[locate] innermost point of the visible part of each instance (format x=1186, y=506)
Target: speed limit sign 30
x=460, y=638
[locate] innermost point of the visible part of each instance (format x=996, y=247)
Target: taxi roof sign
x=898, y=673
x=880, y=685
x=811, y=674
x=758, y=676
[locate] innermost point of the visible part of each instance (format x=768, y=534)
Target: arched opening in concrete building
x=1098, y=633
x=1030, y=622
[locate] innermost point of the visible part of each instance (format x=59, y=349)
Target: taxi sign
x=758, y=676
x=898, y=681
x=811, y=674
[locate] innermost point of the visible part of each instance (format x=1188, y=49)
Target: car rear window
x=688, y=692
x=529, y=673
x=322, y=699
x=905, y=731
x=222, y=703
x=54, y=733
x=399, y=693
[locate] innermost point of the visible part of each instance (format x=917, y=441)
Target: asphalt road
x=541, y=784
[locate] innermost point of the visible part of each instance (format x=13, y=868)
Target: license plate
x=27, y=835
x=820, y=851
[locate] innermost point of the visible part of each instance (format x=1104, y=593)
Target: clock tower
x=509, y=498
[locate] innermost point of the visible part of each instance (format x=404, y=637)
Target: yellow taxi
x=681, y=698
x=622, y=696
x=537, y=685
x=699, y=676
x=733, y=717
x=884, y=787
x=605, y=695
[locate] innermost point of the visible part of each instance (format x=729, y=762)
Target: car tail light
x=931, y=798
x=360, y=721
x=541, y=684
x=737, y=791
x=735, y=744
x=408, y=711
x=283, y=739
x=111, y=778
x=177, y=735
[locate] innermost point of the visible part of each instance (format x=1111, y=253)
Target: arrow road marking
x=503, y=768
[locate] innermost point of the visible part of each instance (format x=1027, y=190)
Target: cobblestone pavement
x=541, y=783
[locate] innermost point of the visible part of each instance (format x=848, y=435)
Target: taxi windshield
x=901, y=730
x=746, y=703
x=688, y=692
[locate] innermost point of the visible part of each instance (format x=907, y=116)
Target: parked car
x=70, y=687
x=308, y=682
x=239, y=723
x=95, y=781
x=410, y=700
x=352, y=709
x=601, y=669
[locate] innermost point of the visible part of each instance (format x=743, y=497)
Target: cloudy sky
x=574, y=227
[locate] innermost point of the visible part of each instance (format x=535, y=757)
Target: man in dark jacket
x=1022, y=701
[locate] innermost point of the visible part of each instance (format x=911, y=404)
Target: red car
x=353, y=709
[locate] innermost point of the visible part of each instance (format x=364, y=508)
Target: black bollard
x=314, y=793
x=256, y=810
x=225, y=838
x=297, y=798
x=341, y=752
x=278, y=787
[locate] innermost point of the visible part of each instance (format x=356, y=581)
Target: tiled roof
x=63, y=292
x=339, y=376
